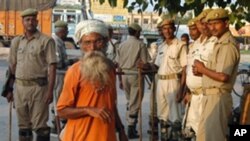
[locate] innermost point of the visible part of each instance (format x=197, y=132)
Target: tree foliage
x=238, y=16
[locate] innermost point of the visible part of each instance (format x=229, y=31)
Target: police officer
x=33, y=64
x=131, y=52
x=201, y=49
x=112, y=44
x=61, y=32
x=153, y=119
x=193, y=30
x=171, y=80
x=218, y=78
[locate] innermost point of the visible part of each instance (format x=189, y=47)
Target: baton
x=140, y=77
x=10, y=120
x=58, y=126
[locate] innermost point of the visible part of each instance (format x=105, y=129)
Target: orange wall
x=11, y=22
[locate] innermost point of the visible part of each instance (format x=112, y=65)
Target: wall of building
x=119, y=16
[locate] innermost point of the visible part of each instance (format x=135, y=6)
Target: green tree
x=240, y=8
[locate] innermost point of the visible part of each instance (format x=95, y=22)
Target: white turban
x=89, y=26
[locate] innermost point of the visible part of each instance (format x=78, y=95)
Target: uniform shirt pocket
x=20, y=53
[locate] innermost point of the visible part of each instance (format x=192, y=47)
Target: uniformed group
x=201, y=75
x=191, y=91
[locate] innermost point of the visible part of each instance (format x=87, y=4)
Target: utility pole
x=86, y=9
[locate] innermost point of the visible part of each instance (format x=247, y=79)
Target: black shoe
x=132, y=133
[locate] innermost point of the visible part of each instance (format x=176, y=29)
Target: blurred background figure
x=112, y=44
x=152, y=50
x=61, y=32
x=185, y=38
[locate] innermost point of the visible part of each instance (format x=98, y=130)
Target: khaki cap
x=203, y=14
x=165, y=20
x=192, y=22
x=218, y=13
x=135, y=26
x=29, y=12
x=60, y=23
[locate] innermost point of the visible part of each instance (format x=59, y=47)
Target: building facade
x=120, y=17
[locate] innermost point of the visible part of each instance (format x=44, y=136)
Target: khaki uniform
x=111, y=50
x=129, y=52
x=61, y=65
x=168, y=84
x=217, y=99
x=32, y=58
x=200, y=51
x=157, y=62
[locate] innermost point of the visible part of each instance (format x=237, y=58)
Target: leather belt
x=196, y=91
x=209, y=91
x=31, y=82
x=169, y=76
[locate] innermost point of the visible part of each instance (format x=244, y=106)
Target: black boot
x=43, y=138
x=175, y=133
x=43, y=134
x=25, y=135
x=164, y=130
x=153, y=124
x=132, y=132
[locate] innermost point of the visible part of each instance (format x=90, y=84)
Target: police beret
x=60, y=23
x=165, y=20
x=192, y=22
x=29, y=12
x=218, y=13
x=203, y=14
x=135, y=26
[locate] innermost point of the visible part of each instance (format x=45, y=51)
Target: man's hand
x=198, y=67
x=140, y=64
x=48, y=98
x=187, y=98
x=102, y=113
x=179, y=96
x=9, y=96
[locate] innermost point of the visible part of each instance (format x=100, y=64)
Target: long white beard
x=95, y=68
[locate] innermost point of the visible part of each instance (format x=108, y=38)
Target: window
x=136, y=20
x=56, y=17
x=145, y=21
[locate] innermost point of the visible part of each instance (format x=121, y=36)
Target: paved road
x=4, y=110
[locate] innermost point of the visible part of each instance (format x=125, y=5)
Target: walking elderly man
x=88, y=99
x=32, y=63
x=218, y=78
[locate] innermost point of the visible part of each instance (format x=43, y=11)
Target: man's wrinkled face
x=93, y=42
x=218, y=27
x=30, y=23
